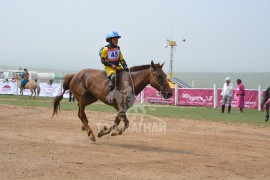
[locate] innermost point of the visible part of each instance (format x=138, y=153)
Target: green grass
x=250, y=116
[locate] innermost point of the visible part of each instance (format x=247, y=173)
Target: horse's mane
x=138, y=68
x=143, y=67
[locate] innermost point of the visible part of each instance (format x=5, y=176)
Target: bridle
x=161, y=87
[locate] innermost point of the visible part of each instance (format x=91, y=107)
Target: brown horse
x=267, y=105
x=32, y=85
x=90, y=85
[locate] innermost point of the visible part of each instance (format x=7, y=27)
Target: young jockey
x=112, y=57
x=25, y=78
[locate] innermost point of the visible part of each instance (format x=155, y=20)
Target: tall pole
x=171, y=63
x=171, y=44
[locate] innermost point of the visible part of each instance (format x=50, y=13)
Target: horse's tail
x=57, y=99
x=38, y=90
x=67, y=80
x=70, y=96
x=266, y=97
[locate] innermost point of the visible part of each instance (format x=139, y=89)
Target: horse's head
x=159, y=81
x=17, y=77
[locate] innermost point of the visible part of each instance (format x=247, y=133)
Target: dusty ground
x=34, y=146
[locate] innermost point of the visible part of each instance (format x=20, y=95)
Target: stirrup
x=110, y=97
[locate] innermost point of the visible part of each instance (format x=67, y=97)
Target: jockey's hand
x=114, y=66
x=125, y=67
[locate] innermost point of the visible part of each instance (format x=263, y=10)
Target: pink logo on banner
x=195, y=97
x=251, y=99
x=6, y=89
x=153, y=96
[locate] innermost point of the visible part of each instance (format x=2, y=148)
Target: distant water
x=206, y=80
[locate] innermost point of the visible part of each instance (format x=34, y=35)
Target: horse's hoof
x=83, y=128
x=105, y=128
x=100, y=134
x=92, y=138
x=114, y=134
x=102, y=131
x=266, y=119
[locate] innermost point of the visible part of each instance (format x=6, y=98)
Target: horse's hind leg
x=85, y=126
x=82, y=103
x=35, y=94
x=31, y=93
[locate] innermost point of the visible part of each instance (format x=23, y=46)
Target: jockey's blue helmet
x=112, y=34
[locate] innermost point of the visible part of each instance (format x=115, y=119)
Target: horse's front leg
x=123, y=116
x=105, y=130
x=267, y=112
x=21, y=92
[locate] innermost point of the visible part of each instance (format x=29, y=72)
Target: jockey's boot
x=112, y=83
x=229, y=108
x=223, y=108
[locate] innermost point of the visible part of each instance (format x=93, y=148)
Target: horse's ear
x=161, y=66
x=153, y=65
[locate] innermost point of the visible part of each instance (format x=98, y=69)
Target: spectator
x=50, y=82
x=240, y=92
x=226, y=94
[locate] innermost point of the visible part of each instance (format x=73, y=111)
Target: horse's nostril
x=169, y=94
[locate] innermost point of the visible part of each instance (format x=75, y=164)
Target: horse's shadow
x=149, y=148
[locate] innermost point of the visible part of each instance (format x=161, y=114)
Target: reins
x=133, y=87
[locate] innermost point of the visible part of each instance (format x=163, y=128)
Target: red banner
x=196, y=97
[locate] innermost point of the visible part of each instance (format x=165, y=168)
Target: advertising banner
x=196, y=97
x=8, y=88
x=50, y=90
x=151, y=95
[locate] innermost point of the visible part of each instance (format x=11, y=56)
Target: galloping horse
x=267, y=105
x=90, y=85
x=32, y=85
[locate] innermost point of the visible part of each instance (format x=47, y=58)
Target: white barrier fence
x=181, y=97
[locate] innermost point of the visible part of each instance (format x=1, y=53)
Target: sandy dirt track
x=34, y=146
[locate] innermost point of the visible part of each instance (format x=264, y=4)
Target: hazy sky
x=221, y=35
